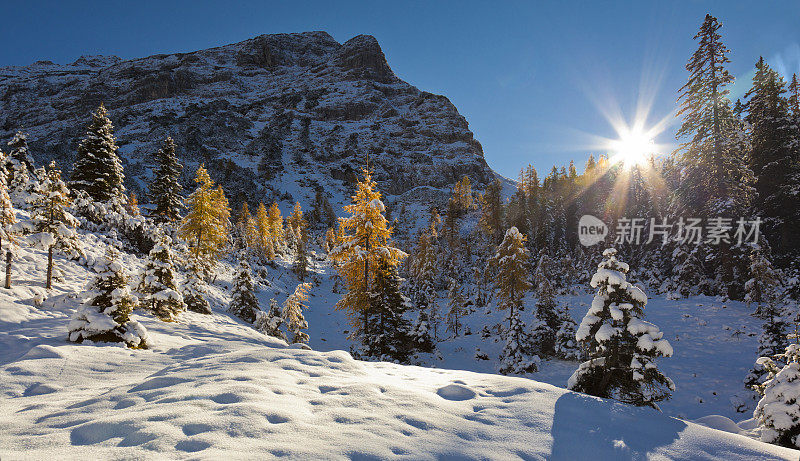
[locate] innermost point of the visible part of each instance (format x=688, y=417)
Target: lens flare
x=633, y=148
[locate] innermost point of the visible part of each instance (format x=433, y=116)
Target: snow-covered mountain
x=212, y=387
x=273, y=117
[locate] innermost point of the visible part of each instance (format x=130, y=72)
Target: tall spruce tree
x=98, y=169
x=165, y=189
x=391, y=338
x=622, y=347
x=774, y=159
x=18, y=167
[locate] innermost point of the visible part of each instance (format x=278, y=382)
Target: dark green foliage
x=97, y=169
x=165, y=190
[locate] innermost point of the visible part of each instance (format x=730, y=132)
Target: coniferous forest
x=490, y=275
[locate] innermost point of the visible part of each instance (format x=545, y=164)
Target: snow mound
x=455, y=392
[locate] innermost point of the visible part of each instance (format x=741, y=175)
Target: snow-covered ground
x=212, y=387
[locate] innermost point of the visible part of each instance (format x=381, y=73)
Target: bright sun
x=632, y=148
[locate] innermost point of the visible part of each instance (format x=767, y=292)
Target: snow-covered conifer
x=243, y=299
x=566, y=347
x=7, y=216
x=778, y=411
x=456, y=306
x=509, y=267
x=622, y=347
x=105, y=315
x=270, y=322
x=390, y=338
x=158, y=285
x=165, y=189
x=293, y=313
x=195, y=292
x=54, y=224
x=98, y=169
x=771, y=342
x=762, y=286
x=18, y=167
x=544, y=334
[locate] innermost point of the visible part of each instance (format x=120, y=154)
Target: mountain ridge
x=274, y=117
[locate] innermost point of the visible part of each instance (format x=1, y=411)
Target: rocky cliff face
x=273, y=117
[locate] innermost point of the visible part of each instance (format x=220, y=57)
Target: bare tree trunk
x=8, y=269
x=50, y=267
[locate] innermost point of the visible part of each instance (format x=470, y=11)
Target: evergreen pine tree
x=774, y=158
x=423, y=269
x=98, y=169
x=763, y=284
x=390, y=338
x=18, y=168
x=456, y=307
x=270, y=322
x=158, y=285
x=778, y=411
x=206, y=224
x=771, y=342
x=622, y=348
x=7, y=215
x=566, y=347
x=509, y=267
x=243, y=299
x=544, y=334
x=165, y=189
x=195, y=291
x=293, y=313
x=53, y=222
x=105, y=316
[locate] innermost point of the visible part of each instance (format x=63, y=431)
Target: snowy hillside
x=214, y=387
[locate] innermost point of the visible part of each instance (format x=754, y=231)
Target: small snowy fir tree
x=195, y=292
x=18, y=167
x=622, y=348
x=158, y=285
x=293, y=313
x=105, y=316
x=165, y=190
x=98, y=169
x=53, y=223
x=762, y=286
x=243, y=300
x=778, y=411
x=7, y=216
x=770, y=344
x=456, y=307
x=509, y=266
x=549, y=322
x=270, y=323
x=566, y=346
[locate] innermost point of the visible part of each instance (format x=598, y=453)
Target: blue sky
x=537, y=81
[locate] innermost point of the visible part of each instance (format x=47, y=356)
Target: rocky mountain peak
x=275, y=117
